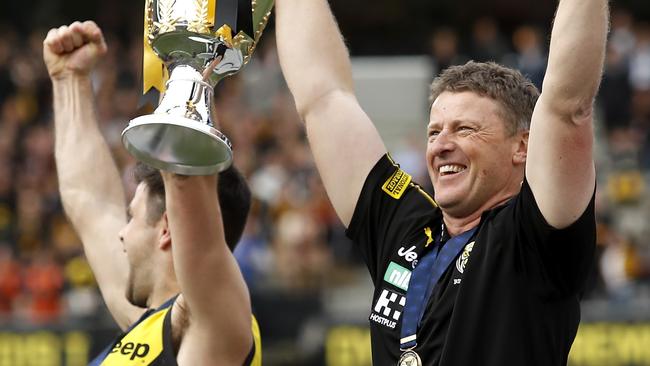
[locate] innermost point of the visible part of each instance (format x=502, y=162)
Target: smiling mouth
x=450, y=169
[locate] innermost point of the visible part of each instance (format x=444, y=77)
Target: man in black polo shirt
x=490, y=272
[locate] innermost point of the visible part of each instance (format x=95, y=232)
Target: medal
x=409, y=358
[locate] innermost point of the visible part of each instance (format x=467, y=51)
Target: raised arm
x=316, y=65
x=560, y=167
x=89, y=183
x=213, y=288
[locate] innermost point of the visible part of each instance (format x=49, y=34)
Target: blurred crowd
x=294, y=247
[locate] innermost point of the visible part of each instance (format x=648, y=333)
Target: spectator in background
x=529, y=56
x=7, y=87
x=44, y=282
x=7, y=206
x=31, y=221
x=640, y=76
x=444, y=49
x=622, y=38
x=301, y=257
x=81, y=298
x=615, y=92
x=487, y=43
x=10, y=281
x=619, y=266
x=263, y=79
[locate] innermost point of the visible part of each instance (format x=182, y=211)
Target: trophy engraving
x=196, y=42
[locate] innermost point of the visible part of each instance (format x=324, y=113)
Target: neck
x=457, y=225
x=164, y=288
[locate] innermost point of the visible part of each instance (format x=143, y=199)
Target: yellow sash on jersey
x=257, y=358
x=144, y=343
x=141, y=345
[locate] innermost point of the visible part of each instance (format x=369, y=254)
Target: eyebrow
x=454, y=123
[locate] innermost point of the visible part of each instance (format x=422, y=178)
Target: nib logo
x=397, y=276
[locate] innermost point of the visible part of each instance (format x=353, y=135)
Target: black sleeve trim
x=567, y=254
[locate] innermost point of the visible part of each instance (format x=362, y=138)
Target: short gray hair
x=516, y=94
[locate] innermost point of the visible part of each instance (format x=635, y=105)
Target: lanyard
x=423, y=279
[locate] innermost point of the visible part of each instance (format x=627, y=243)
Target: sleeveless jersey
x=148, y=342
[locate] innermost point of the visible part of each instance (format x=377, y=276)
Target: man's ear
x=165, y=241
x=521, y=151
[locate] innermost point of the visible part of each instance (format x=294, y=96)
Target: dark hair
x=516, y=94
x=234, y=199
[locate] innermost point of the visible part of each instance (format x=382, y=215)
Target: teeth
x=451, y=168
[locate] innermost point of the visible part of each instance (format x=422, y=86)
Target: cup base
x=177, y=144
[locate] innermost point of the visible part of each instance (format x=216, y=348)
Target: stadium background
x=309, y=288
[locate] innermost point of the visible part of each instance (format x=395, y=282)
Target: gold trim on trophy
x=167, y=21
x=201, y=22
x=226, y=34
x=150, y=29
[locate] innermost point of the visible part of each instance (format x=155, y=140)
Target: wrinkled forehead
x=464, y=106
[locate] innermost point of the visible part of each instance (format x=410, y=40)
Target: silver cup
x=180, y=135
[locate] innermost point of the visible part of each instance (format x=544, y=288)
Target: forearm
x=91, y=190
x=205, y=268
x=576, y=56
x=312, y=53
x=88, y=176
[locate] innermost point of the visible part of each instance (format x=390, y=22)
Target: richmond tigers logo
x=461, y=262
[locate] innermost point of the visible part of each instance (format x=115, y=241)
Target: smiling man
x=490, y=271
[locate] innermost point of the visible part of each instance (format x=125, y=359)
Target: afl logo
x=461, y=262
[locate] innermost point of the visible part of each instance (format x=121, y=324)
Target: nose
x=441, y=144
x=121, y=237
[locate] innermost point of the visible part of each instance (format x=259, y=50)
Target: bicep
x=346, y=145
x=219, y=318
x=560, y=167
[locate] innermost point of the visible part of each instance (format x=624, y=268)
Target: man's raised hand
x=73, y=50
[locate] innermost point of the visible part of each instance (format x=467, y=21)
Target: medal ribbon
x=423, y=279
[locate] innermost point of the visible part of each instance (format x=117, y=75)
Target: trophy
x=197, y=43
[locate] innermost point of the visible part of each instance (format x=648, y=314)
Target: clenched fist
x=73, y=50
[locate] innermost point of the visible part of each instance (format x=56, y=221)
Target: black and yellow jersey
x=148, y=342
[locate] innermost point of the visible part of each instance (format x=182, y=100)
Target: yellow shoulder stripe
x=390, y=158
x=425, y=194
x=257, y=358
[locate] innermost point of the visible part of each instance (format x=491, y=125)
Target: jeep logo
x=409, y=254
x=134, y=349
